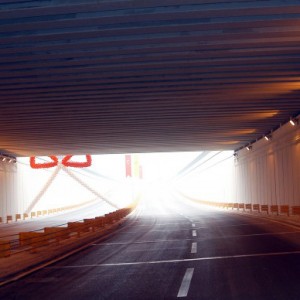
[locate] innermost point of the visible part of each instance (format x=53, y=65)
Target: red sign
x=66, y=162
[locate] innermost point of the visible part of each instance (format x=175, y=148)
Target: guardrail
x=34, y=241
x=38, y=213
x=259, y=208
x=283, y=209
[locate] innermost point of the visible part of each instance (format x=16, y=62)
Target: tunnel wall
x=8, y=188
x=269, y=173
x=21, y=187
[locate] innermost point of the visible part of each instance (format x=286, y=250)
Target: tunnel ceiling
x=140, y=76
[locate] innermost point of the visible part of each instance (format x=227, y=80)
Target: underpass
x=168, y=251
x=130, y=78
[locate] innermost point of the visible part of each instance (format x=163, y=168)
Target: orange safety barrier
x=241, y=206
x=36, y=240
x=33, y=239
x=256, y=207
x=264, y=208
x=25, y=216
x=248, y=206
x=18, y=217
x=89, y=223
x=295, y=210
x=32, y=214
x=1, y=220
x=9, y=218
x=76, y=227
x=39, y=213
x=24, y=238
x=285, y=209
x=99, y=221
x=57, y=233
x=274, y=209
x=109, y=218
x=4, y=248
x=235, y=205
x=225, y=205
x=44, y=212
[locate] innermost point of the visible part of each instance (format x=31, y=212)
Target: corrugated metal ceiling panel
x=141, y=76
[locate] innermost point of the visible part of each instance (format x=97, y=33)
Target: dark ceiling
x=140, y=76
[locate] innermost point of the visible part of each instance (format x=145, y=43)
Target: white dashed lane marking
x=194, y=248
x=185, y=284
x=194, y=233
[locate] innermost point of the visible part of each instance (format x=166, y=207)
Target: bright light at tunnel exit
x=200, y=175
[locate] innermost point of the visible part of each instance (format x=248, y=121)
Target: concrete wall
x=212, y=180
x=8, y=190
x=270, y=172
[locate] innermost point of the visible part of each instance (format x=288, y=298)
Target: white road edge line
x=185, y=284
x=194, y=248
x=194, y=233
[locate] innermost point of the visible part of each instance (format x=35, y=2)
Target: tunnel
x=149, y=149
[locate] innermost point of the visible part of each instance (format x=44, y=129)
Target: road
x=173, y=249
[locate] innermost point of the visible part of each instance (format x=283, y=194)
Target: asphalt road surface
x=173, y=249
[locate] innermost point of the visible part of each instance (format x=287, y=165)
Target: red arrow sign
x=66, y=162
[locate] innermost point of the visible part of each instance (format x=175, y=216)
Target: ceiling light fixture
x=294, y=121
x=268, y=137
x=7, y=158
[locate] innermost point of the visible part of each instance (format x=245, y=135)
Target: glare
x=157, y=176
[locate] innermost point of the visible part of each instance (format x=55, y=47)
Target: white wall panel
x=269, y=173
x=8, y=190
